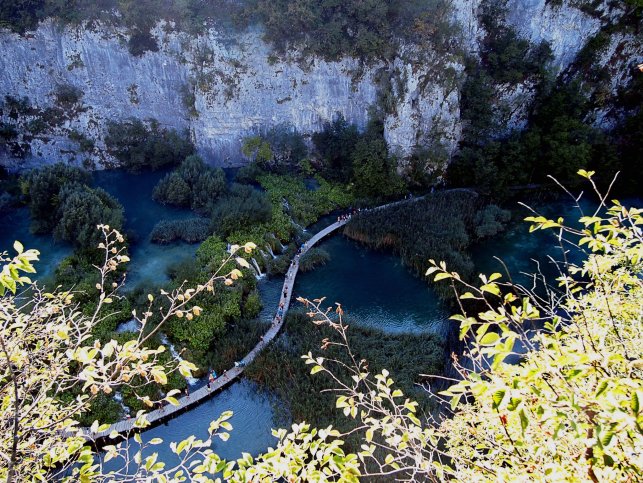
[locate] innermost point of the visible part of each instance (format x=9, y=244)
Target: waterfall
x=272, y=254
x=190, y=380
x=118, y=397
x=256, y=267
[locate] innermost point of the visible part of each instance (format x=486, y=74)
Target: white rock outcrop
x=223, y=89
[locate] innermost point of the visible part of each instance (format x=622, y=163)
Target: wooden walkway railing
x=230, y=375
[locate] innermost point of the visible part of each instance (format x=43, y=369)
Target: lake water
x=252, y=422
x=14, y=225
x=149, y=261
x=374, y=288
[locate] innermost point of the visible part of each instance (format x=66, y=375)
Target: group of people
x=347, y=216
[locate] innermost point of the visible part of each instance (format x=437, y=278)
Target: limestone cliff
x=223, y=88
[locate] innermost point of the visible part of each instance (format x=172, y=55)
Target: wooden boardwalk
x=185, y=402
x=153, y=417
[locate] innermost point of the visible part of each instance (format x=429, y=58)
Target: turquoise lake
x=374, y=288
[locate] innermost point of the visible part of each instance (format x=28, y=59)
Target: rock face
x=224, y=89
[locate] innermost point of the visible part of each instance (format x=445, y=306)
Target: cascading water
x=190, y=380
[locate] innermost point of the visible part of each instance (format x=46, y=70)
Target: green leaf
x=497, y=397
x=635, y=401
x=489, y=339
x=316, y=369
x=524, y=420
x=441, y=276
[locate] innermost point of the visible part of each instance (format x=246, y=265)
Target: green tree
x=567, y=407
x=173, y=190
x=335, y=144
x=243, y=207
x=42, y=188
x=257, y=149
x=137, y=145
x=47, y=349
x=81, y=209
x=374, y=171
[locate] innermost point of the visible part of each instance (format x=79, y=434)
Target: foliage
x=509, y=58
x=67, y=95
x=280, y=150
x=305, y=206
x=61, y=202
x=570, y=407
x=374, y=171
x=557, y=142
x=193, y=184
x=335, y=145
x=258, y=149
x=313, y=258
x=221, y=308
x=191, y=230
x=440, y=225
x=47, y=352
x=330, y=29
x=81, y=209
x=42, y=188
x=490, y=221
x=280, y=369
x=252, y=306
x=551, y=389
x=137, y=16
x=242, y=207
x=137, y=145
x=248, y=174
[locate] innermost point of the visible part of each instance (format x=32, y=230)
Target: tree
x=137, y=145
x=567, y=407
x=335, y=144
x=42, y=188
x=258, y=149
x=173, y=190
x=82, y=208
x=374, y=170
x=47, y=350
x=243, y=207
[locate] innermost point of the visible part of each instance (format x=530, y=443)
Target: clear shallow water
x=374, y=288
x=14, y=225
x=134, y=192
x=252, y=422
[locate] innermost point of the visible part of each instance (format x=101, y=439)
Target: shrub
x=192, y=230
x=313, y=258
x=438, y=226
x=67, y=95
x=192, y=184
x=172, y=190
x=335, y=144
x=243, y=207
x=141, y=41
x=42, y=188
x=139, y=146
x=490, y=221
x=81, y=210
x=252, y=306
